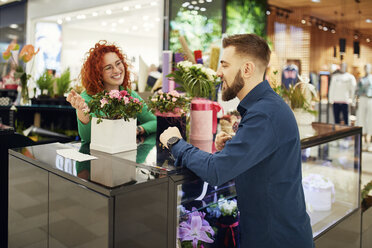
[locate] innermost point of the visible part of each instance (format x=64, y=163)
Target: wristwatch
x=172, y=141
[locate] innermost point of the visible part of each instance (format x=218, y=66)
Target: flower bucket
x=203, y=118
x=165, y=120
x=113, y=136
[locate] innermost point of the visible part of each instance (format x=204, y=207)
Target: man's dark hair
x=250, y=45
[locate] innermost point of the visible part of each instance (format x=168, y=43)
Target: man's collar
x=255, y=94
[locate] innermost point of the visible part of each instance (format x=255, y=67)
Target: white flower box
x=113, y=136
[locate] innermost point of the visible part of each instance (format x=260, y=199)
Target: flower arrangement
x=224, y=207
x=169, y=102
x=114, y=105
x=26, y=54
x=195, y=79
x=195, y=230
x=299, y=96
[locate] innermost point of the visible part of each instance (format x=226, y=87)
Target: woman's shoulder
x=85, y=95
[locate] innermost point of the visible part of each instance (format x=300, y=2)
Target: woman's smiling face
x=113, y=71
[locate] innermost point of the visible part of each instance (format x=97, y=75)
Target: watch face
x=172, y=141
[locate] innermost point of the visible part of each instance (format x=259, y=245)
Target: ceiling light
x=138, y=6
x=94, y=14
x=303, y=21
x=268, y=12
x=185, y=4
x=203, y=9
x=121, y=20
x=194, y=2
x=190, y=6
x=356, y=36
x=4, y=1
x=333, y=31
x=80, y=17
x=368, y=20
x=194, y=12
x=153, y=3
x=368, y=40
x=126, y=8
x=68, y=18
x=14, y=26
x=325, y=28
x=145, y=18
x=59, y=21
x=315, y=1
x=196, y=8
x=109, y=11
x=201, y=1
x=320, y=26
x=209, y=1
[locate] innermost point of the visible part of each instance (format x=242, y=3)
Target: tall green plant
x=63, y=83
x=45, y=83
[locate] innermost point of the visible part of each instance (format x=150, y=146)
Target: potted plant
x=113, y=119
x=200, y=83
x=170, y=110
x=45, y=84
x=26, y=55
x=300, y=97
x=63, y=85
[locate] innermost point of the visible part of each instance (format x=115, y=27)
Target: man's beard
x=230, y=92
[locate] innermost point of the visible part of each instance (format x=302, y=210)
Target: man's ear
x=248, y=69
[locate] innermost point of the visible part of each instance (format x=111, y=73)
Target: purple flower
x=195, y=229
x=115, y=94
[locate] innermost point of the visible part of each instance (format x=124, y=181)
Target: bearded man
x=264, y=157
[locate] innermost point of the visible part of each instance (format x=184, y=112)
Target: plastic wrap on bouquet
x=165, y=120
x=203, y=118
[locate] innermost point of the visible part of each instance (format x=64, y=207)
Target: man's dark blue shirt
x=264, y=158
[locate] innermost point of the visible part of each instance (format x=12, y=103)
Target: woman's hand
x=76, y=101
x=221, y=139
x=79, y=104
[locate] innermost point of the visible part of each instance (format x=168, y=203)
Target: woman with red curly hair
x=105, y=68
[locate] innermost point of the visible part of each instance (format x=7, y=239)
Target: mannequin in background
x=341, y=92
x=289, y=75
x=364, y=111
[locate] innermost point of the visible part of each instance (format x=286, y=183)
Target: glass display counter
x=131, y=199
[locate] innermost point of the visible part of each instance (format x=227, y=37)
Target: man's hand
x=221, y=139
x=77, y=101
x=169, y=133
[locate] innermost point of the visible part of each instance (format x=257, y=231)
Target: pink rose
x=174, y=93
x=174, y=99
x=114, y=94
x=123, y=93
x=126, y=100
x=136, y=100
x=103, y=102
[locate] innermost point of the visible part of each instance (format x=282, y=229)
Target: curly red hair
x=91, y=72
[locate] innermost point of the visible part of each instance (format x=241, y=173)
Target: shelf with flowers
x=201, y=84
x=113, y=119
x=215, y=225
x=170, y=110
x=26, y=55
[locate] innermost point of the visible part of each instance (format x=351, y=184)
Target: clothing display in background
x=289, y=75
x=314, y=80
x=364, y=93
x=341, y=93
